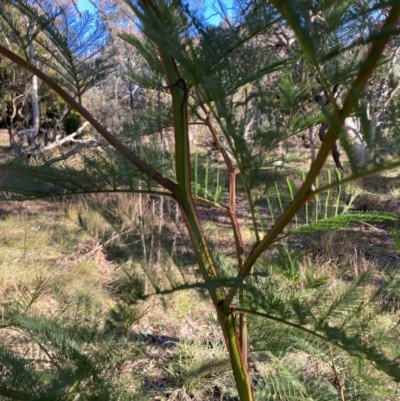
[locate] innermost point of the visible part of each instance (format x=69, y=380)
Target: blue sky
x=85, y=5
x=213, y=19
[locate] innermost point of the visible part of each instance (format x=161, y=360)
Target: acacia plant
x=227, y=79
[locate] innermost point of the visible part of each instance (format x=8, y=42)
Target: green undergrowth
x=93, y=265
x=78, y=264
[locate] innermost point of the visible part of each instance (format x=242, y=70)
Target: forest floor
x=174, y=347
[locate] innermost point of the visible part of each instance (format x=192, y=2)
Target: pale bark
x=35, y=100
x=311, y=138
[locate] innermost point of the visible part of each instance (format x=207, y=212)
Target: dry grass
x=77, y=251
x=45, y=241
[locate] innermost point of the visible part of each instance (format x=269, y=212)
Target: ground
x=176, y=348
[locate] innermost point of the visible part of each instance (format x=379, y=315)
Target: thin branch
x=242, y=175
x=306, y=193
x=339, y=380
x=140, y=164
x=211, y=204
x=354, y=177
x=279, y=320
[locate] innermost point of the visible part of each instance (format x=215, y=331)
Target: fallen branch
x=79, y=145
x=67, y=139
x=25, y=131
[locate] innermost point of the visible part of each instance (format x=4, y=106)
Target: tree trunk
x=335, y=149
x=311, y=138
x=35, y=102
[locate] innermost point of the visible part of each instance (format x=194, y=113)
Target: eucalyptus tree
x=75, y=50
x=207, y=76
x=113, y=99
x=15, y=83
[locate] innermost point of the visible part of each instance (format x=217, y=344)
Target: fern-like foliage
x=320, y=319
x=76, y=48
x=95, y=171
x=72, y=359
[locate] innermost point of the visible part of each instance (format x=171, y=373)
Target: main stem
x=183, y=193
x=232, y=171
